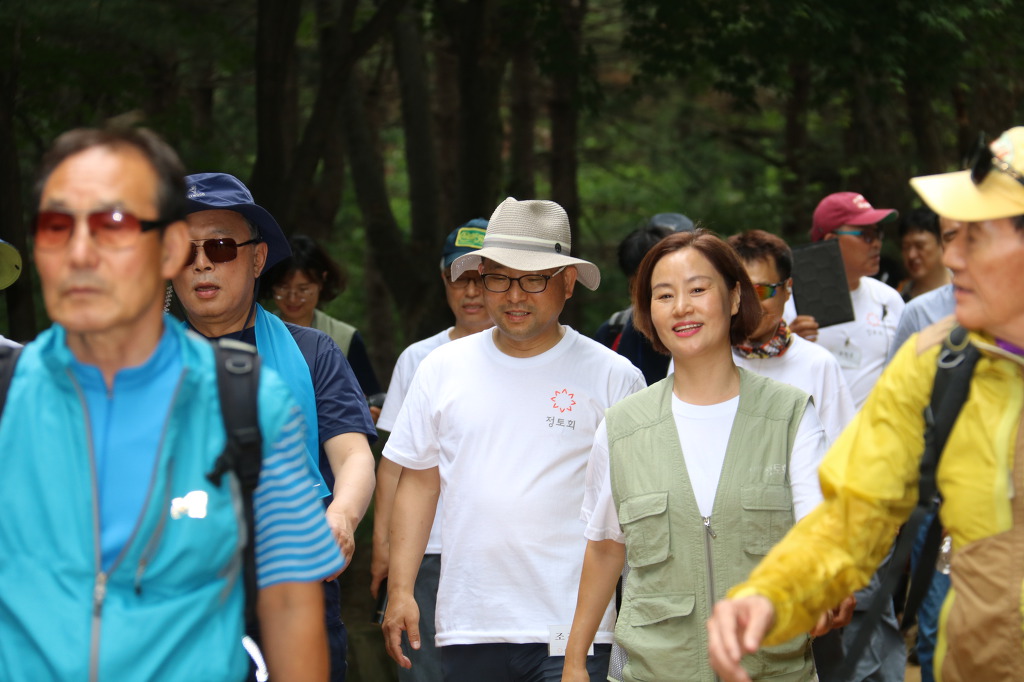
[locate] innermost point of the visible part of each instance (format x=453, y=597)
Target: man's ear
x=569, y=275
x=175, y=249
x=259, y=258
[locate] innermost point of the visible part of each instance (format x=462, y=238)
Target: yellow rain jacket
x=869, y=480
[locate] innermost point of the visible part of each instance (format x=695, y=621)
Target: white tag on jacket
x=559, y=637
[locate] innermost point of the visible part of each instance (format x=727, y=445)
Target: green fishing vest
x=681, y=563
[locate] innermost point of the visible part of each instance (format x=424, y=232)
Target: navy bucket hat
x=223, y=192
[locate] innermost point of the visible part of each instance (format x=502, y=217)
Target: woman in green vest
x=692, y=480
x=303, y=281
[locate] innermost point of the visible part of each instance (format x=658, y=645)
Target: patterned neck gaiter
x=775, y=347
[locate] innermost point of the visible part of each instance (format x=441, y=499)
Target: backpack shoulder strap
x=238, y=375
x=8, y=359
x=950, y=389
x=952, y=385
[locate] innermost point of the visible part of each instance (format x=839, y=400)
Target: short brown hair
x=761, y=245
x=723, y=258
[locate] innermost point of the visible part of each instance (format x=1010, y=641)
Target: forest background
x=377, y=126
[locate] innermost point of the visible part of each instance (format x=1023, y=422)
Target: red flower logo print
x=563, y=400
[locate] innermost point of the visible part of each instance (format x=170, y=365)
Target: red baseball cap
x=846, y=208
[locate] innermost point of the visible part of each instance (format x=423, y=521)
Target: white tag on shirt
x=849, y=356
x=559, y=637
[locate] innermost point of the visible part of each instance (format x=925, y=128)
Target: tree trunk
x=427, y=234
x=446, y=122
x=923, y=120
x=481, y=62
x=276, y=101
x=795, y=173
x=407, y=271
x=564, y=111
x=522, y=178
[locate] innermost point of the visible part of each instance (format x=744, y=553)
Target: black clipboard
x=819, y=283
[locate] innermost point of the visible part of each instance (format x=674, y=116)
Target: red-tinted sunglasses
x=217, y=250
x=112, y=229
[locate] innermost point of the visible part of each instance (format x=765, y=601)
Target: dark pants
x=514, y=663
x=337, y=636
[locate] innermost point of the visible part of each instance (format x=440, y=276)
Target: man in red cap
x=861, y=346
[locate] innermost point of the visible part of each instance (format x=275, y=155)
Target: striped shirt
x=293, y=541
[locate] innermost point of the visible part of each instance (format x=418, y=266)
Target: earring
x=168, y=295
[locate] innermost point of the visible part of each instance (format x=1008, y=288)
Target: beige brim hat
x=955, y=196
x=530, y=236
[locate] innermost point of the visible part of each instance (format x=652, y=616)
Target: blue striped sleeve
x=293, y=541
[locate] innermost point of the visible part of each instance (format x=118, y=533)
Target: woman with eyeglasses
x=299, y=284
x=692, y=480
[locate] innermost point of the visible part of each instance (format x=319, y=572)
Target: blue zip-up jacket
x=170, y=607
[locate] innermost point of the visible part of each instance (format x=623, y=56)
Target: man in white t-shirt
x=862, y=348
x=465, y=298
x=774, y=351
x=501, y=424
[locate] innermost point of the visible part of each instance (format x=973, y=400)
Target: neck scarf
x=280, y=353
x=775, y=347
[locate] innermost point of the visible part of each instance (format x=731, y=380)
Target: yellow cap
x=1000, y=194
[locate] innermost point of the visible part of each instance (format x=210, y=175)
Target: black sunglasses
x=218, y=250
x=983, y=161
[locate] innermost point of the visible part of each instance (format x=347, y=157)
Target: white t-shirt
x=511, y=437
x=401, y=378
x=814, y=371
x=8, y=342
x=863, y=345
x=704, y=436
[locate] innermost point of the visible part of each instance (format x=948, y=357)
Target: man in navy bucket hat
x=234, y=240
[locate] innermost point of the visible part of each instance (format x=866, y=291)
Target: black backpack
x=238, y=387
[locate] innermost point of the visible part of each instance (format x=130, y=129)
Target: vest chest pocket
x=644, y=521
x=767, y=515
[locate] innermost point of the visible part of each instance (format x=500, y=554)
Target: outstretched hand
x=735, y=629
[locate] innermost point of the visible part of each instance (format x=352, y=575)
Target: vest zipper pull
x=707, y=526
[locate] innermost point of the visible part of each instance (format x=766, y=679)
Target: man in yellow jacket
x=870, y=476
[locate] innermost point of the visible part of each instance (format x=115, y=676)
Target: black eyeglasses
x=766, y=291
x=218, y=250
x=530, y=284
x=868, y=235
x=112, y=228
x=463, y=281
x=983, y=161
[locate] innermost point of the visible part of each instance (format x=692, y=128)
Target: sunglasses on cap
x=766, y=291
x=982, y=162
x=110, y=229
x=218, y=250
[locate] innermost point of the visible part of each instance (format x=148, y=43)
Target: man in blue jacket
x=234, y=240
x=119, y=558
